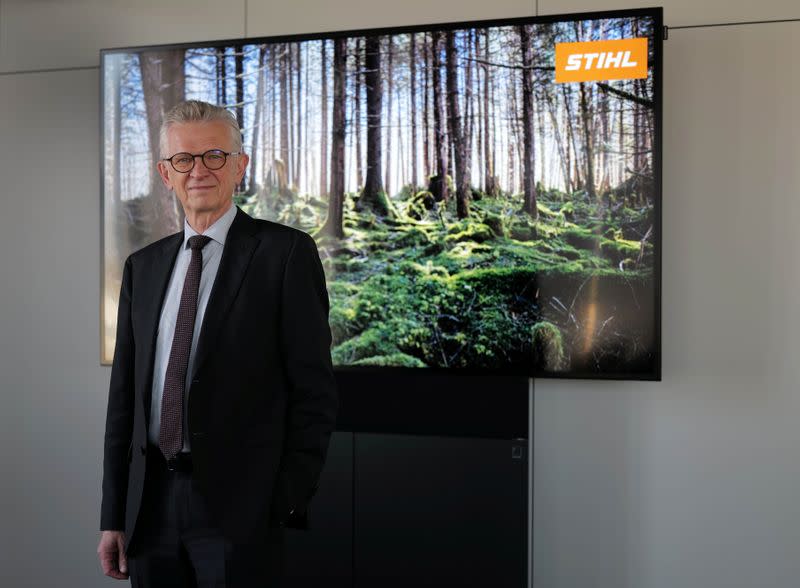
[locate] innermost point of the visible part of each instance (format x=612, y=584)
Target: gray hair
x=190, y=111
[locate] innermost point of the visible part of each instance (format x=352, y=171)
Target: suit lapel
x=240, y=243
x=153, y=292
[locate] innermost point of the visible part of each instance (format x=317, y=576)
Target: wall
x=689, y=482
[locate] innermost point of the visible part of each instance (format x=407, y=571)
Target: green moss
x=394, y=359
x=478, y=232
x=372, y=342
x=436, y=290
x=496, y=224
x=548, y=346
x=620, y=249
x=413, y=236
x=469, y=253
x=342, y=322
x=546, y=211
x=507, y=280
x=581, y=238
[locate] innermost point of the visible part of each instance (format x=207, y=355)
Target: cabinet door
x=322, y=556
x=439, y=511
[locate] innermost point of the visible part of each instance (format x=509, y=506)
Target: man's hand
x=111, y=552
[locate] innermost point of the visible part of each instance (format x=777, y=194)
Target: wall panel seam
x=49, y=70
x=733, y=24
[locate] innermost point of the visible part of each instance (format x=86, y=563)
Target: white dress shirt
x=212, y=253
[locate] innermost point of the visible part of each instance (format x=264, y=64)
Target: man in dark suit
x=222, y=397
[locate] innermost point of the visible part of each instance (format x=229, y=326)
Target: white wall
x=690, y=482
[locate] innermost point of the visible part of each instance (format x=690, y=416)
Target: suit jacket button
x=144, y=449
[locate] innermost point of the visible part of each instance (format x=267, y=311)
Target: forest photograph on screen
x=471, y=211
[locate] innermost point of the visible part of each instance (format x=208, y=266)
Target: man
x=222, y=397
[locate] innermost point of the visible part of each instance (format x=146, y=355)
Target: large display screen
x=485, y=196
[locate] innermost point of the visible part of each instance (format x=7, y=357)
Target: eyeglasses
x=213, y=159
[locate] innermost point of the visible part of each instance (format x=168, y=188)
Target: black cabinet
x=323, y=555
x=439, y=511
x=416, y=510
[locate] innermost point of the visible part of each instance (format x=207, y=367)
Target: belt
x=182, y=462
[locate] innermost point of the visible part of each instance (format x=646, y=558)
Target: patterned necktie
x=170, y=437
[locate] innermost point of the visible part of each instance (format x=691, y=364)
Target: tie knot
x=198, y=242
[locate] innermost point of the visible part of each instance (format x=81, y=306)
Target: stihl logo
x=603, y=61
x=624, y=59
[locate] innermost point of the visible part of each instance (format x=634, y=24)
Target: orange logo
x=623, y=59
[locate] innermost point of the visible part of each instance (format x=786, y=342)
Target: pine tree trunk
x=238, y=59
x=163, y=86
x=323, y=153
x=358, y=83
x=298, y=146
x=389, y=128
x=528, y=132
x=257, y=119
x=439, y=181
x=490, y=186
x=576, y=178
x=588, y=147
x=220, y=63
x=412, y=61
x=284, y=65
x=457, y=131
x=373, y=197
x=334, y=225
x=426, y=114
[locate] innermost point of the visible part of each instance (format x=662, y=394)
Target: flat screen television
x=485, y=196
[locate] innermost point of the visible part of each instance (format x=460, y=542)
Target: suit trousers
x=178, y=544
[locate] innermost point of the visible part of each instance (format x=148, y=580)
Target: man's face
x=202, y=190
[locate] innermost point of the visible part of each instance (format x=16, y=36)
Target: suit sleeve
x=313, y=399
x=119, y=417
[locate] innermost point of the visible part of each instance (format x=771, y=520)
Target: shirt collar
x=218, y=231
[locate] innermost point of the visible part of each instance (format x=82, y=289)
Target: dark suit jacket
x=263, y=400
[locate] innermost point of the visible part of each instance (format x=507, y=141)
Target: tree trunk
x=334, y=224
x=426, y=114
x=439, y=181
x=588, y=147
x=257, y=119
x=544, y=175
x=239, y=61
x=572, y=157
x=306, y=178
x=514, y=154
x=292, y=162
x=284, y=66
x=457, y=131
x=222, y=91
x=268, y=130
x=323, y=152
x=163, y=86
x=389, y=127
x=357, y=116
x=298, y=146
x=469, y=114
x=528, y=133
x=412, y=63
x=605, y=171
x=488, y=99
x=561, y=145
x=373, y=197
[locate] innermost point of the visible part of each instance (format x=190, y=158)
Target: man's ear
x=163, y=171
x=241, y=166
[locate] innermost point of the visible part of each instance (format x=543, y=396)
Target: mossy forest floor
x=495, y=290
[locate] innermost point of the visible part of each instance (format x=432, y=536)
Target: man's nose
x=199, y=168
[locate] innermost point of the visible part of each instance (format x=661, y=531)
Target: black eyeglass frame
x=203, y=157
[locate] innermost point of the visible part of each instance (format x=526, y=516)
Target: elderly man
x=222, y=397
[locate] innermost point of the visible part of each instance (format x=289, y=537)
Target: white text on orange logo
x=604, y=60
